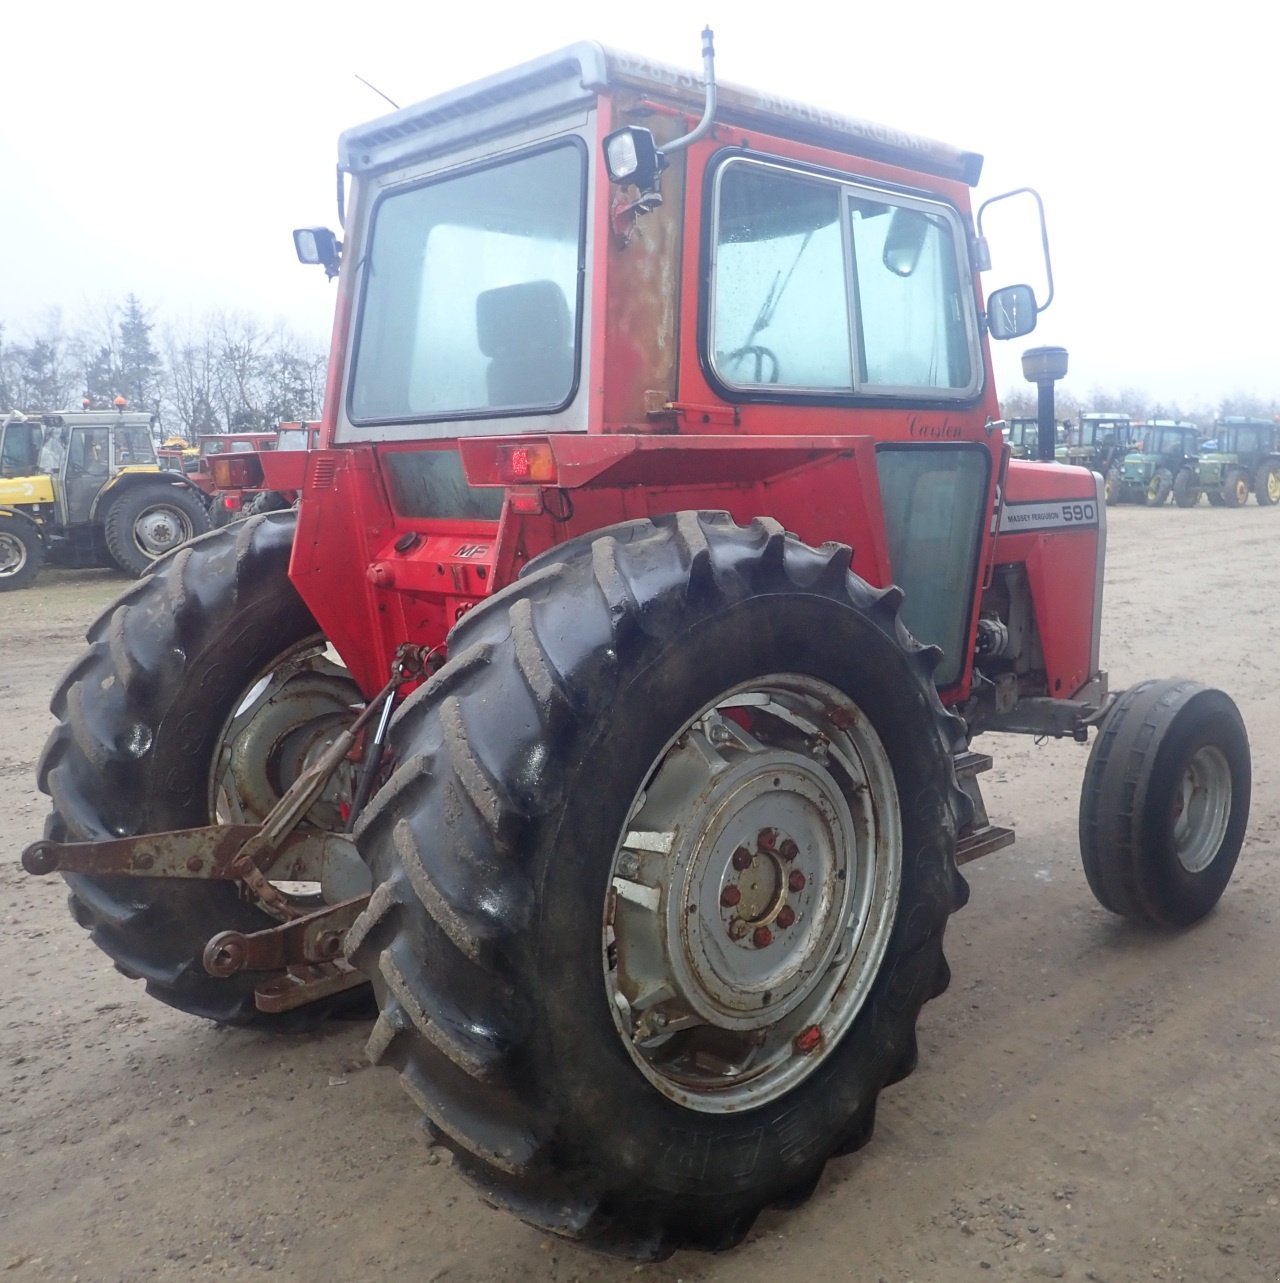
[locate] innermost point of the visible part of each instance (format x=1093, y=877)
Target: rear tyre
x=1164, y=802
x=1266, y=485
x=1158, y=488
x=1114, y=490
x=156, y=718
x=1235, y=489
x=21, y=553
x=143, y=523
x=1186, y=494
x=656, y=733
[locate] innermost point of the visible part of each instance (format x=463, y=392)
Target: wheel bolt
x=788, y=850
x=786, y=916
x=730, y=896
x=762, y=937
x=742, y=859
x=766, y=838
x=737, y=929
x=795, y=880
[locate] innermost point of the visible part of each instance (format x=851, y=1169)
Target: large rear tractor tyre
x=143, y=523
x=1165, y=801
x=1186, y=494
x=21, y=552
x=1235, y=489
x=203, y=693
x=1114, y=489
x=1159, y=488
x=1266, y=485
x=662, y=879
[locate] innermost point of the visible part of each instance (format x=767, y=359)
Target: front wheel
x=1159, y=488
x=21, y=552
x=143, y=523
x=663, y=878
x=1164, y=802
x=1114, y=490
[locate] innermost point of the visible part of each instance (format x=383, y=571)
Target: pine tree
x=140, y=368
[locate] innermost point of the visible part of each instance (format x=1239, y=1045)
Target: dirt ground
x=1093, y=1102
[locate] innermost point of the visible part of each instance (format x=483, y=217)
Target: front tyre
x=1114, y=490
x=663, y=876
x=204, y=691
x=1186, y=494
x=1164, y=802
x=1159, y=488
x=144, y=522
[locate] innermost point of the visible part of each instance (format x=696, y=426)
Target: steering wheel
x=766, y=362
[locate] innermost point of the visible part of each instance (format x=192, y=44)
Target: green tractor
x=1244, y=456
x=1162, y=462
x=1023, y=437
x=1098, y=442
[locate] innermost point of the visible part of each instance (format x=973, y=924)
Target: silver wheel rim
x=161, y=528
x=752, y=895
x=1201, y=808
x=13, y=555
x=283, y=722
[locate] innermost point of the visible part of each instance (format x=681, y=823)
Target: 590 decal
x=1052, y=514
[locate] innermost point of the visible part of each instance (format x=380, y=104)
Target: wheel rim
x=752, y=895
x=160, y=528
x=1242, y=490
x=1273, y=486
x=1201, y=808
x=282, y=723
x=13, y=555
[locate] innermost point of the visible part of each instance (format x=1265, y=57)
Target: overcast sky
x=169, y=149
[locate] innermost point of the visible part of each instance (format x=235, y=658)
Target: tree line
x=227, y=372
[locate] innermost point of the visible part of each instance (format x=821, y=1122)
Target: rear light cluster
x=531, y=462
x=236, y=471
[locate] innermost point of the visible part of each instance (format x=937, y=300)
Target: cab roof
x=579, y=74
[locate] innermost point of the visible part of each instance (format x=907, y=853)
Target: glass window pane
x=934, y=503
x=471, y=296
x=911, y=313
x=780, y=313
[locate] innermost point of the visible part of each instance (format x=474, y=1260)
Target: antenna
x=375, y=89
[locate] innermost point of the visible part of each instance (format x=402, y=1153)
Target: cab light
x=527, y=463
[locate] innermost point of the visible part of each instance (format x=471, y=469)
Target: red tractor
x=607, y=704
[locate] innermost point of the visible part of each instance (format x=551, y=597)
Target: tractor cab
x=1098, y=441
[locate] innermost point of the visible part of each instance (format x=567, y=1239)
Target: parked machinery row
x=1147, y=462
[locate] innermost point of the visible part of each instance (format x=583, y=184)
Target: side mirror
x=1011, y=312
x=904, y=240
x=318, y=245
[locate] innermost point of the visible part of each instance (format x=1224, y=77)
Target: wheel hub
x=759, y=910
x=157, y=530
x=1201, y=809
